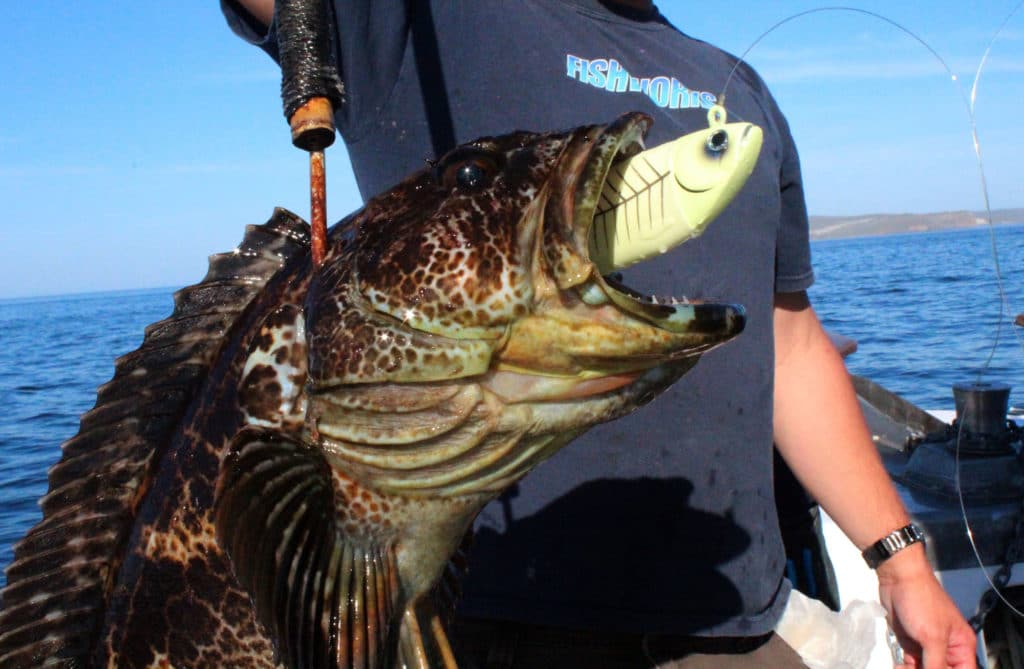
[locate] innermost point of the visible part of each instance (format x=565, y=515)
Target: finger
x=933, y=653
x=906, y=660
x=910, y=662
x=962, y=651
x=910, y=652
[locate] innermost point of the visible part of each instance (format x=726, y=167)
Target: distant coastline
x=821, y=228
x=841, y=227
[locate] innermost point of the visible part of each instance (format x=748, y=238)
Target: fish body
x=284, y=472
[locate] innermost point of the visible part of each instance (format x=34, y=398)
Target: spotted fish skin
x=176, y=598
x=312, y=479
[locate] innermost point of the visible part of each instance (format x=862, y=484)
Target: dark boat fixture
x=978, y=456
x=931, y=463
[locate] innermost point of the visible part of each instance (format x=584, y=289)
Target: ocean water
x=922, y=307
x=925, y=308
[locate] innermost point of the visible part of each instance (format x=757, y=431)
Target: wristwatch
x=891, y=544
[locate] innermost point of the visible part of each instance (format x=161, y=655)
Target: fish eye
x=467, y=170
x=470, y=175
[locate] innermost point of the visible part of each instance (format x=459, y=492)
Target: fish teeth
x=672, y=300
x=665, y=300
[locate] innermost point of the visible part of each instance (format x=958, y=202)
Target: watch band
x=891, y=544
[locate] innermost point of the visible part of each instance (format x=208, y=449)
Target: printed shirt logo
x=608, y=74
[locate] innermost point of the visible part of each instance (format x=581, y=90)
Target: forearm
x=820, y=432
x=261, y=10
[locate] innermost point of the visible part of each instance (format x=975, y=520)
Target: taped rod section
x=307, y=69
x=310, y=87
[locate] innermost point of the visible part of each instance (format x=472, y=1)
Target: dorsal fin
x=58, y=583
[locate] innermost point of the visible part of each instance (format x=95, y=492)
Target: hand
x=927, y=623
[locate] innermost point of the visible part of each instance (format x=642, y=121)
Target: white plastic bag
x=854, y=638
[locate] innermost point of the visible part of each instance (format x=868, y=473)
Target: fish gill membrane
x=817, y=655
x=284, y=472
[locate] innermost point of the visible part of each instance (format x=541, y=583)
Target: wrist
x=892, y=544
x=910, y=563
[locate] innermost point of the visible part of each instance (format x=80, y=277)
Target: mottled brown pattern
x=282, y=473
x=357, y=346
x=468, y=261
x=176, y=597
x=271, y=392
x=260, y=392
x=362, y=512
x=67, y=570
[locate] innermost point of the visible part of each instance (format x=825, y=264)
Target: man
x=653, y=540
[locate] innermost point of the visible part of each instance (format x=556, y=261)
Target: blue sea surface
x=54, y=353
x=923, y=308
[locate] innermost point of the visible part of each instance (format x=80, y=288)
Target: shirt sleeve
x=793, y=270
x=243, y=24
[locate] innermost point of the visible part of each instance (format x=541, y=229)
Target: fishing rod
x=311, y=87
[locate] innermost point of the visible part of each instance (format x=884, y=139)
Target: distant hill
x=835, y=227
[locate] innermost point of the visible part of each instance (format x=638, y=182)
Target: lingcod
x=284, y=472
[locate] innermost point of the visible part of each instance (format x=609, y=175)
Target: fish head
x=480, y=264
x=458, y=332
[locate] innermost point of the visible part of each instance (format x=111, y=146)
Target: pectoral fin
x=326, y=599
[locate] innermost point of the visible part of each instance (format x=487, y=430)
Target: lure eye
x=467, y=170
x=718, y=141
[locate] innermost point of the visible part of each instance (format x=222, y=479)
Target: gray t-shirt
x=663, y=521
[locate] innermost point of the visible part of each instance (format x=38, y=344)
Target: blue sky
x=136, y=138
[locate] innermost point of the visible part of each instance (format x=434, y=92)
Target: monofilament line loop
x=969, y=106
x=1002, y=301
x=1004, y=310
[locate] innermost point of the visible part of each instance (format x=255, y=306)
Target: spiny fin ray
x=104, y=471
x=327, y=599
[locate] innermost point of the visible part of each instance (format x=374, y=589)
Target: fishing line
x=1002, y=307
x=1003, y=300
x=837, y=8
x=969, y=103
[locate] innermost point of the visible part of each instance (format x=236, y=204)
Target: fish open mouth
x=618, y=142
